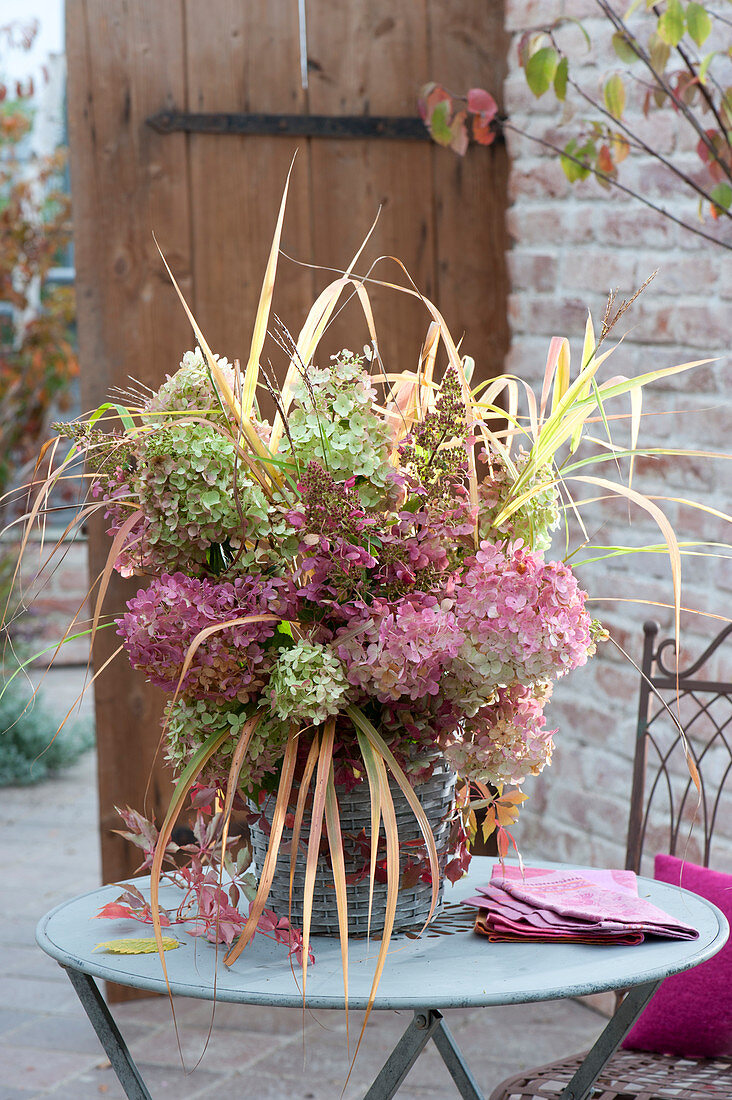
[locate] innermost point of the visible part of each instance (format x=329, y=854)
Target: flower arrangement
x=349, y=594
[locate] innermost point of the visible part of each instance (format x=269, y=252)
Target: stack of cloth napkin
x=570, y=906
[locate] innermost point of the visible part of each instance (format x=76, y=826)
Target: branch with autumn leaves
x=665, y=60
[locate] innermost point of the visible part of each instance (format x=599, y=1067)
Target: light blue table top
x=459, y=969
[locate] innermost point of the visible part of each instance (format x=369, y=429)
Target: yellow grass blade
x=338, y=864
x=556, y=347
x=315, y=324
x=666, y=530
x=367, y=752
x=392, y=891
x=636, y=411
x=237, y=762
x=270, y=860
x=118, y=544
x=187, y=778
x=242, y=422
x=362, y=723
x=207, y=631
x=561, y=378
x=302, y=795
x=251, y=375
x=325, y=758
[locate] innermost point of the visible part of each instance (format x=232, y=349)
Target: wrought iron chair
x=661, y=775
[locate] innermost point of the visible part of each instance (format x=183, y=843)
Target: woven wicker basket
x=437, y=796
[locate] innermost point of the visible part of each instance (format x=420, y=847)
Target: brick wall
x=571, y=245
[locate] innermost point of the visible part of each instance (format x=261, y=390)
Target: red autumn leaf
x=459, y=131
x=605, y=161
x=481, y=102
x=114, y=911
x=453, y=871
x=482, y=131
x=430, y=96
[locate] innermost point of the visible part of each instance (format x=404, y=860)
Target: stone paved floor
x=49, y=851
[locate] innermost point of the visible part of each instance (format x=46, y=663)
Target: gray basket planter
x=437, y=797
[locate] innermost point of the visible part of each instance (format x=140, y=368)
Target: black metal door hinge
x=332, y=126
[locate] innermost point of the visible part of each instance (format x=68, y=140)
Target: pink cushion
x=691, y=1014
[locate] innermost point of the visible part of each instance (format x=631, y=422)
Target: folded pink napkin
x=579, y=906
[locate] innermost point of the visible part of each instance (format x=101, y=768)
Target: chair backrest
x=681, y=711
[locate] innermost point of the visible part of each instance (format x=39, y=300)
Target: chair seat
x=629, y=1075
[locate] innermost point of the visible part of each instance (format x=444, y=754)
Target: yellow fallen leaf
x=143, y=946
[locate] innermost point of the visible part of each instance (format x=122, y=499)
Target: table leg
x=617, y=1028
x=453, y=1058
x=108, y=1034
x=427, y=1024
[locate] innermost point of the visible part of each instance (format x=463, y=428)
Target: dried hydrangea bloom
x=535, y=520
x=233, y=662
x=307, y=684
x=190, y=389
x=400, y=649
x=505, y=741
x=190, y=722
x=524, y=620
x=332, y=422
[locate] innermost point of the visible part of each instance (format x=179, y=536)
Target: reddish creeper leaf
x=482, y=132
x=459, y=132
x=605, y=161
x=482, y=103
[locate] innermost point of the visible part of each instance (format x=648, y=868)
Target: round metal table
x=447, y=967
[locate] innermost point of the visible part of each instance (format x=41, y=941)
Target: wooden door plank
x=369, y=57
x=469, y=49
x=125, y=63
x=246, y=57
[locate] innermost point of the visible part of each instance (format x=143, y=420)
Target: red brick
x=523, y=14
x=533, y=270
x=626, y=227
x=539, y=179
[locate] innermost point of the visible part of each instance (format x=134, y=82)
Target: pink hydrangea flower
x=232, y=663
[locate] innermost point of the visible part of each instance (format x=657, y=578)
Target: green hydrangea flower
x=191, y=723
x=190, y=389
x=186, y=485
x=307, y=684
x=332, y=422
x=534, y=521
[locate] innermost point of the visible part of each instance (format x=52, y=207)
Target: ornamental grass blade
x=186, y=780
x=588, y=359
x=338, y=865
x=367, y=753
x=392, y=891
x=207, y=631
x=116, y=549
x=562, y=375
x=242, y=422
x=270, y=860
x=557, y=346
x=666, y=530
x=302, y=795
x=325, y=759
x=310, y=335
x=237, y=762
x=636, y=412
x=362, y=723
x=251, y=375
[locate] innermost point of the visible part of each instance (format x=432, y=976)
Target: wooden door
x=212, y=200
